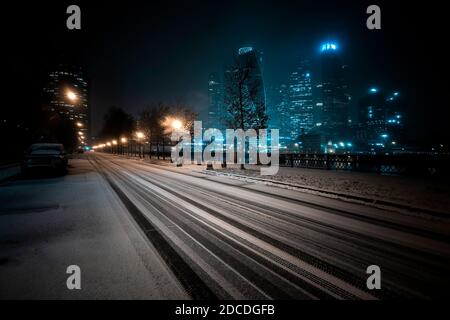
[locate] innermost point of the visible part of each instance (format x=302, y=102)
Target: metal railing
x=405, y=164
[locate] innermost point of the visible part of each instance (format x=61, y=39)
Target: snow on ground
x=426, y=193
x=418, y=192
x=49, y=223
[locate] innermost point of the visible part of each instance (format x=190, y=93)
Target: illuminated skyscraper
x=380, y=119
x=334, y=86
x=301, y=111
x=66, y=94
x=215, y=102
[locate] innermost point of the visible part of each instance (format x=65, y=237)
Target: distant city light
x=396, y=94
x=245, y=50
x=329, y=46
x=308, y=75
x=384, y=135
x=373, y=90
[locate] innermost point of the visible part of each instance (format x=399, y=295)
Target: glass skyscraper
x=215, y=102
x=301, y=110
x=335, y=96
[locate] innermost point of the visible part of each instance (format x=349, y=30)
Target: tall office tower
x=283, y=109
x=66, y=95
x=272, y=102
x=215, y=102
x=301, y=108
x=380, y=119
x=244, y=89
x=335, y=95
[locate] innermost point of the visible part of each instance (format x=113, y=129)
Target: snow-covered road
x=147, y=231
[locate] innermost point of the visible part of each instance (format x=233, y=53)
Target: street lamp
x=72, y=96
x=114, y=142
x=122, y=147
x=140, y=135
x=177, y=124
x=79, y=124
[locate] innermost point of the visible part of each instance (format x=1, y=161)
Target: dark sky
x=138, y=52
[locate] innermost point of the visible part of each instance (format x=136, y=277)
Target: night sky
x=136, y=53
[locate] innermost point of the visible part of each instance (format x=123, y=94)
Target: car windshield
x=45, y=149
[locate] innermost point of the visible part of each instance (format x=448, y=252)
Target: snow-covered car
x=45, y=155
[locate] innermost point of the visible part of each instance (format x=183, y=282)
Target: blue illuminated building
x=380, y=120
x=300, y=103
x=335, y=98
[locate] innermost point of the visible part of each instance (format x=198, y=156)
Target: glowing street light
x=79, y=124
x=177, y=124
x=108, y=144
x=72, y=96
x=123, y=140
x=140, y=135
x=114, y=142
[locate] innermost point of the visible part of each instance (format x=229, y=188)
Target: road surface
x=145, y=231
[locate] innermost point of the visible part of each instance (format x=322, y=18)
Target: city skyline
x=131, y=79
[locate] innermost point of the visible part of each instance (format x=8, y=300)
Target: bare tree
x=244, y=98
x=245, y=110
x=155, y=121
x=117, y=123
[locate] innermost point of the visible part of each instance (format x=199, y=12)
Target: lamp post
x=172, y=124
x=114, y=142
x=124, y=141
x=139, y=135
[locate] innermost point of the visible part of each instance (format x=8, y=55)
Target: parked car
x=45, y=155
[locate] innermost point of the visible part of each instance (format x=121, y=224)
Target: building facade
x=380, y=120
x=301, y=106
x=335, y=95
x=215, y=102
x=66, y=95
